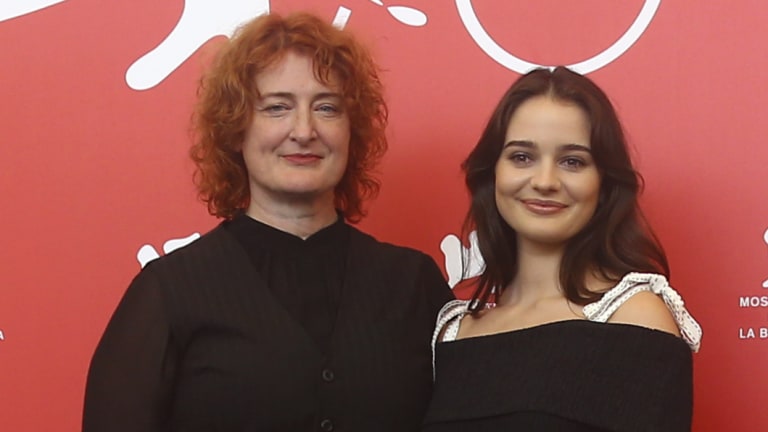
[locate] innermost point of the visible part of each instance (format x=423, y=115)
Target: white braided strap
x=450, y=315
x=633, y=283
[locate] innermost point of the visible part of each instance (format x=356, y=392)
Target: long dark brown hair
x=615, y=241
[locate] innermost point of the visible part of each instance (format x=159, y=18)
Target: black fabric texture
x=573, y=375
x=200, y=342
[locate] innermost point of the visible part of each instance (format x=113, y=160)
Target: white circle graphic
x=512, y=62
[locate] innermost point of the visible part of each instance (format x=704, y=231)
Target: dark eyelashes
x=571, y=162
x=323, y=108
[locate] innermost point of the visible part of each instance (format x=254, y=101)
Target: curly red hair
x=228, y=92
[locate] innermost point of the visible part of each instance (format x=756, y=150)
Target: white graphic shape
x=514, y=63
x=765, y=239
x=200, y=21
x=2, y=336
x=148, y=253
x=14, y=8
x=341, y=18
x=457, y=256
x=408, y=16
x=173, y=244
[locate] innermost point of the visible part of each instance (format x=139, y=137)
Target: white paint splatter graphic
x=765, y=239
x=200, y=21
x=148, y=253
x=406, y=15
x=203, y=20
x=10, y=9
x=457, y=257
x=341, y=18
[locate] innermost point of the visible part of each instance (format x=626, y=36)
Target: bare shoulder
x=646, y=309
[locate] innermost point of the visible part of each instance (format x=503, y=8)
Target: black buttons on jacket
x=326, y=425
x=328, y=375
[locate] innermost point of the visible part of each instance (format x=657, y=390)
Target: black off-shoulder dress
x=578, y=375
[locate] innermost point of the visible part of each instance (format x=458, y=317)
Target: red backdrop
x=93, y=165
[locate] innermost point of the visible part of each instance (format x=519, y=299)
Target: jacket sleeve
x=130, y=375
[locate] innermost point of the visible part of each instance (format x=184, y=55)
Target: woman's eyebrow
x=289, y=95
x=575, y=147
x=563, y=147
x=520, y=143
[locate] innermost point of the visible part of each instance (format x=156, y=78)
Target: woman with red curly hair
x=284, y=317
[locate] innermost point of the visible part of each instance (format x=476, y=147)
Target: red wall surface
x=95, y=101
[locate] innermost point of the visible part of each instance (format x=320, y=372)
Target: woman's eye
x=328, y=109
x=574, y=163
x=275, y=108
x=520, y=158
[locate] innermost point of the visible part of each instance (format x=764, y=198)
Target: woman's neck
x=538, y=275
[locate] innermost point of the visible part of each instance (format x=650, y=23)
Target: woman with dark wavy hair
x=572, y=326
x=284, y=317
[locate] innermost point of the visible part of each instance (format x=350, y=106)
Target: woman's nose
x=303, y=127
x=545, y=177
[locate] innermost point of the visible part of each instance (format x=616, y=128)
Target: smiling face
x=297, y=144
x=547, y=184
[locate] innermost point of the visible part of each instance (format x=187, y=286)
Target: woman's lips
x=543, y=207
x=302, y=158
